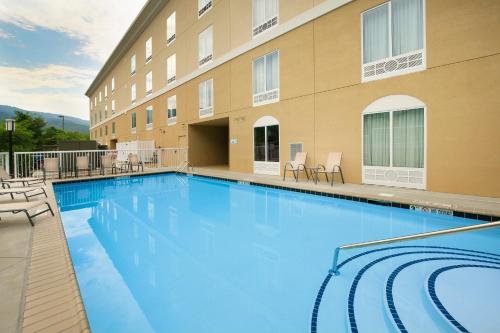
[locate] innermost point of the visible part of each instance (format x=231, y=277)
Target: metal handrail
x=186, y=166
x=334, y=269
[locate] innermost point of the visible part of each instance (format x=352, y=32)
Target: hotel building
x=407, y=90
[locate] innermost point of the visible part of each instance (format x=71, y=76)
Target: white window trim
x=150, y=56
x=134, y=128
x=113, y=83
x=150, y=90
x=274, y=91
x=208, y=58
x=172, y=120
x=149, y=126
x=132, y=97
x=272, y=22
x=391, y=104
x=172, y=38
x=396, y=72
x=266, y=167
x=211, y=108
x=205, y=9
x=171, y=79
x=134, y=70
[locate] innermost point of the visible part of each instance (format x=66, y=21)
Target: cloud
x=99, y=24
x=52, y=88
x=5, y=35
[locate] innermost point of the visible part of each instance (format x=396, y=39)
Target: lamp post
x=62, y=118
x=10, y=127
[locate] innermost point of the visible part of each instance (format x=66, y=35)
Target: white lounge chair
x=7, y=181
x=107, y=162
x=82, y=164
x=28, y=192
x=296, y=166
x=51, y=165
x=134, y=161
x=332, y=167
x=25, y=207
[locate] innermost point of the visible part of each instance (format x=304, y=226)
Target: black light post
x=10, y=127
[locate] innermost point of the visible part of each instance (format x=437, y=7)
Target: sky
x=51, y=50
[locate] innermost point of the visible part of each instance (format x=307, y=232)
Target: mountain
x=52, y=119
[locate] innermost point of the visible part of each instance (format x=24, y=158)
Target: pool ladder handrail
x=336, y=253
x=186, y=165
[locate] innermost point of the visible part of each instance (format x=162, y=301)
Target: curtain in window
x=376, y=34
x=259, y=75
x=273, y=143
x=259, y=143
x=376, y=139
x=205, y=92
x=259, y=12
x=205, y=43
x=408, y=138
x=407, y=26
x=272, y=71
x=271, y=9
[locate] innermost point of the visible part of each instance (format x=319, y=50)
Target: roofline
x=141, y=22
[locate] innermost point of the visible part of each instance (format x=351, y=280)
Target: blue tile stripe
x=431, y=285
x=319, y=296
x=390, y=284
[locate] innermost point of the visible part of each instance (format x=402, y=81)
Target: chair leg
x=29, y=218
x=333, y=173
x=284, y=173
x=341, y=175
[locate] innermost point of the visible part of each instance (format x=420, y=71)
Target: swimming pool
x=170, y=253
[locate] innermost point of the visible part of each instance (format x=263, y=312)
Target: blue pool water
x=169, y=253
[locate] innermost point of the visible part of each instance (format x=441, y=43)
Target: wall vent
x=205, y=60
x=395, y=65
x=266, y=97
x=294, y=149
x=265, y=26
x=204, y=9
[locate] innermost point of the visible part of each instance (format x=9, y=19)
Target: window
x=100, y=96
x=95, y=100
x=149, y=83
x=113, y=107
x=100, y=116
x=205, y=46
x=266, y=146
x=134, y=121
x=105, y=111
x=149, y=117
x=172, y=110
x=100, y=132
x=393, y=39
x=133, y=93
x=149, y=49
x=171, y=29
x=106, y=130
x=266, y=79
x=206, y=99
x=294, y=149
x=394, y=142
x=113, y=84
x=113, y=128
x=132, y=65
x=203, y=7
x=171, y=64
x=265, y=15
x=105, y=91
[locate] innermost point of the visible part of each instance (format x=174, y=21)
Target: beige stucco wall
x=321, y=94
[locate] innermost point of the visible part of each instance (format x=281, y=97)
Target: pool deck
x=38, y=284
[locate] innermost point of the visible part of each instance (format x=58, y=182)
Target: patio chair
x=296, y=166
x=82, y=164
x=51, y=166
x=28, y=192
x=107, y=162
x=7, y=181
x=25, y=207
x=133, y=160
x=332, y=167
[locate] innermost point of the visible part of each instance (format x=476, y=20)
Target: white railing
x=64, y=163
x=4, y=161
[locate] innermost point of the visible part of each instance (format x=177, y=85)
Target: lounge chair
x=28, y=192
x=133, y=160
x=107, y=163
x=25, y=207
x=332, y=167
x=296, y=166
x=50, y=166
x=7, y=181
x=82, y=164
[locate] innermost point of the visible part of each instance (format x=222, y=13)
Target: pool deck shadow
x=37, y=281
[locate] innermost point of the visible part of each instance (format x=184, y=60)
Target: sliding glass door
x=266, y=147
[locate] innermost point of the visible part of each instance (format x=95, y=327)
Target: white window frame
x=209, y=110
x=105, y=91
x=133, y=65
x=171, y=120
x=204, y=6
x=268, y=24
x=133, y=121
x=105, y=111
x=100, y=96
x=171, y=29
x=204, y=59
x=113, y=106
x=381, y=64
x=274, y=94
x=133, y=93
x=149, y=126
x=113, y=84
x=95, y=101
x=113, y=129
x=266, y=167
x=149, y=49
x=171, y=68
x=149, y=83
x=382, y=175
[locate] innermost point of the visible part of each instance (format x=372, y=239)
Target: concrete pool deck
x=38, y=284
